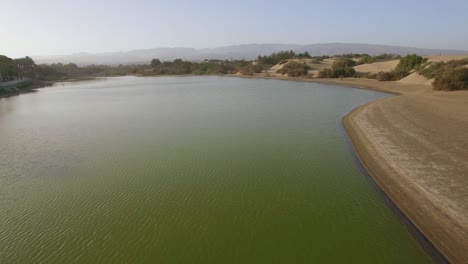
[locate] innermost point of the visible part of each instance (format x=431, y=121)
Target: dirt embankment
x=416, y=148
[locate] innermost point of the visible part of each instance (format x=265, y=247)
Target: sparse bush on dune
x=251, y=69
x=431, y=69
x=343, y=63
x=294, y=69
x=366, y=59
x=387, y=76
x=326, y=73
x=275, y=58
x=451, y=79
x=386, y=57
x=341, y=67
x=404, y=68
x=409, y=63
x=448, y=76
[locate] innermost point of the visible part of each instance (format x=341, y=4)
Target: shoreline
x=414, y=230
x=33, y=86
x=444, y=227
x=425, y=205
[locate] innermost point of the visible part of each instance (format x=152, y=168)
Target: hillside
x=246, y=51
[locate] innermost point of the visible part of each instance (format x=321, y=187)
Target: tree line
x=12, y=69
x=451, y=75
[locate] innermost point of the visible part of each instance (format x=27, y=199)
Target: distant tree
x=8, y=70
x=275, y=58
x=303, y=55
x=155, y=63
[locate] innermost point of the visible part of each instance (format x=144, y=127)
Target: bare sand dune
x=415, y=147
x=314, y=65
x=384, y=66
x=277, y=67
x=416, y=78
x=444, y=58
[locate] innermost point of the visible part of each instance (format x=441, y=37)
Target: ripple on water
x=189, y=170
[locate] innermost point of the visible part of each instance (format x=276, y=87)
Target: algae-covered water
x=190, y=170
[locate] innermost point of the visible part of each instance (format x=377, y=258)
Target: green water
x=190, y=170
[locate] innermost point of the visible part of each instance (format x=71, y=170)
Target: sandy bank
x=415, y=146
x=361, y=83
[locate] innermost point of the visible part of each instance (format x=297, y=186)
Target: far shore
x=34, y=85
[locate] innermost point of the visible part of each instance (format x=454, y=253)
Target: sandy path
x=416, y=148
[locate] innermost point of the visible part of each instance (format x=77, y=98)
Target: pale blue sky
x=49, y=27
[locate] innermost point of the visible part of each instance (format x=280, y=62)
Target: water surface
x=190, y=170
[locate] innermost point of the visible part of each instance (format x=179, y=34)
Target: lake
x=190, y=170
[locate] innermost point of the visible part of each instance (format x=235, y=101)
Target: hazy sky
x=49, y=27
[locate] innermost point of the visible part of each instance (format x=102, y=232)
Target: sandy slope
x=376, y=67
x=315, y=66
x=372, y=84
x=416, y=78
x=444, y=58
x=416, y=148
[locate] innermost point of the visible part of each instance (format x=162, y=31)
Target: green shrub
x=387, y=76
x=250, y=69
x=294, y=69
x=365, y=60
x=341, y=67
x=340, y=63
x=451, y=79
x=431, y=69
x=409, y=63
x=326, y=73
x=275, y=58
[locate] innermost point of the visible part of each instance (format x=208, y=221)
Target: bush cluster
x=431, y=69
x=251, y=69
x=389, y=76
x=451, y=77
x=294, y=69
x=403, y=69
x=409, y=63
x=275, y=58
x=341, y=67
